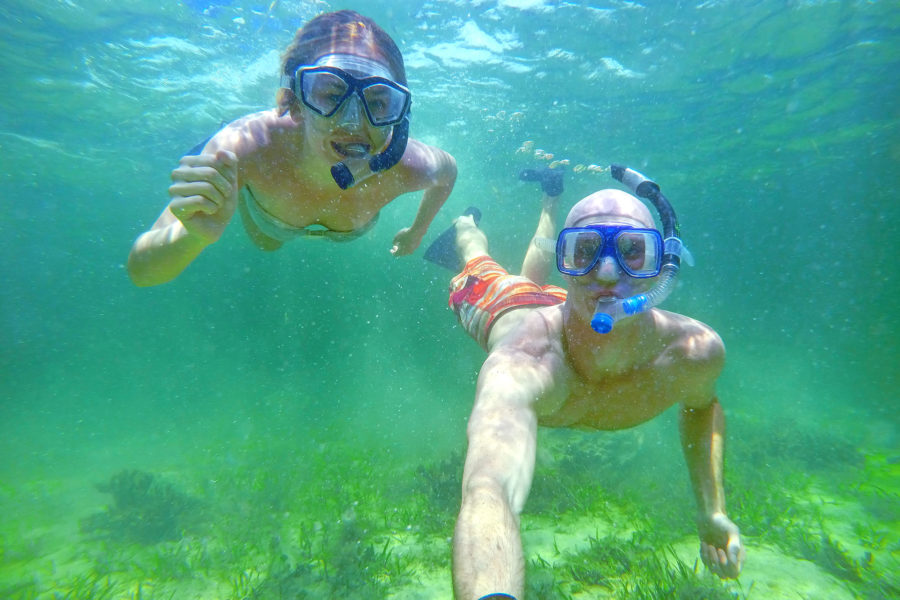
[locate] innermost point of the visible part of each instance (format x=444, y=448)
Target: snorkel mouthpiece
x=602, y=322
x=353, y=170
x=343, y=172
x=607, y=313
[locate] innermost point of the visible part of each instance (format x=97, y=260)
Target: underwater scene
x=292, y=424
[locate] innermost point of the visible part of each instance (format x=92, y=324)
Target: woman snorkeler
x=322, y=164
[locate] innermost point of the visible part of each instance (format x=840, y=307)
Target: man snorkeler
x=599, y=357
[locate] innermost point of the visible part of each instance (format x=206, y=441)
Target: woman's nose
x=351, y=113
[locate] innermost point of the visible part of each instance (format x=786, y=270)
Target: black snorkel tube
x=351, y=171
x=607, y=313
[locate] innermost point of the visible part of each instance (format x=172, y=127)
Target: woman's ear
x=286, y=102
x=296, y=111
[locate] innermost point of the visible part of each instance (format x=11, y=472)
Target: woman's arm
x=434, y=170
x=204, y=197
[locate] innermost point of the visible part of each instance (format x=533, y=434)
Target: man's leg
x=537, y=263
x=470, y=240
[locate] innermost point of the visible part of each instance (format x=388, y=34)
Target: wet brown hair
x=341, y=31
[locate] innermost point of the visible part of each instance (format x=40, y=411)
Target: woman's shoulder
x=251, y=133
x=426, y=164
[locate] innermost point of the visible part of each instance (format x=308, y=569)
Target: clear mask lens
x=323, y=92
x=384, y=103
x=638, y=253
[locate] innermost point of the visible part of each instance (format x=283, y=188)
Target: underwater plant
x=337, y=560
x=439, y=485
x=661, y=578
x=145, y=510
x=88, y=586
x=27, y=590
x=542, y=581
x=639, y=567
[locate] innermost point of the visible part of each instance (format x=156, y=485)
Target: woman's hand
x=204, y=193
x=405, y=242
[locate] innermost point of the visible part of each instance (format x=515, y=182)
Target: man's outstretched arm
x=502, y=432
x=703, y=443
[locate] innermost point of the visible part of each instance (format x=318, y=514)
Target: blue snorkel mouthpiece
x=608, y=312
x=351, y=171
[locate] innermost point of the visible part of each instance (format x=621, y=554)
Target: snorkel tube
x=607, y=313
x=352, y=170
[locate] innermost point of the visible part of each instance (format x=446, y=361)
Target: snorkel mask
x=339, y=80
x=636, y=250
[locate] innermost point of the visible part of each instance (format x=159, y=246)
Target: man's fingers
x=725, y=563
x=708, y=554
x=715, y=559
x=734, y=551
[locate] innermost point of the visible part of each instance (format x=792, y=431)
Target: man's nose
x=607, y=270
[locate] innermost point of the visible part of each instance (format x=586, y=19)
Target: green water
x=302, y=413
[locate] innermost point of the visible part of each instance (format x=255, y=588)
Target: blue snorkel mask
x=338, y=79
x=637, y=251
x=641, y=253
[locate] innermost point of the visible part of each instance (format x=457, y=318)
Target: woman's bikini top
x=275, y=228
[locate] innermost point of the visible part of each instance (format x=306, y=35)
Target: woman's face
x=347, y=131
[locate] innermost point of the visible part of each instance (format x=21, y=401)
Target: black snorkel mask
x=338, y=79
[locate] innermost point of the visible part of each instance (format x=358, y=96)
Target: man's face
x=607, y=280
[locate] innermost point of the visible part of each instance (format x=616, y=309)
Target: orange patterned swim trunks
x=484, y=291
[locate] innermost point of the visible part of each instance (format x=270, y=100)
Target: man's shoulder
x=690, y=339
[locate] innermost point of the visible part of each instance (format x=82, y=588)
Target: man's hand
x=204, y=193
x=720, y=546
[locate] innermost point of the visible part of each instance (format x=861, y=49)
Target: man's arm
x=502, y=432
x=703, y=440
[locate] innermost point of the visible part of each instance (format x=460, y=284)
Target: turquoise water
x=303, y=412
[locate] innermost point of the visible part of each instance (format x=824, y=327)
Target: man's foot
x=443, y=250
x=551, y=179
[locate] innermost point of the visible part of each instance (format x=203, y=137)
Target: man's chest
x=613, y=401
